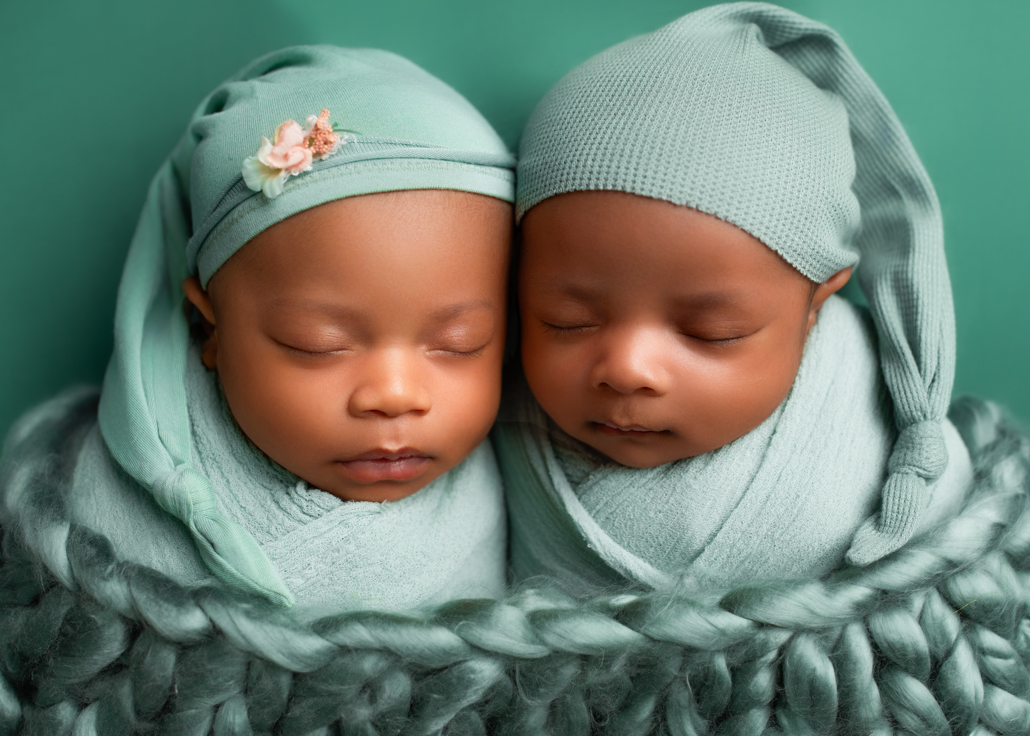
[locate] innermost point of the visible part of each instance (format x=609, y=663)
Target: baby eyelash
x=548, y=327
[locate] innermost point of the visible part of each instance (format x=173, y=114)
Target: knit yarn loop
x=764, y=118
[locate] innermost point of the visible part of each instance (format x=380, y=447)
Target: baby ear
x=199, y=298
x=822, y=292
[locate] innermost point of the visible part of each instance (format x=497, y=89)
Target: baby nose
x=392, y=385
x=632, y=361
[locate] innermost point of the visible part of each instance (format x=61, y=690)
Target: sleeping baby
x=312, y=429
x=700, y=408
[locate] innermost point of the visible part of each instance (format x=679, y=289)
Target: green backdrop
x=95, y=94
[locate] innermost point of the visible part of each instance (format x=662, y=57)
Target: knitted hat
x=413, y=132
x=765, y=119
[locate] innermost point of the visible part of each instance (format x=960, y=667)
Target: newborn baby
x=339, y=222
x=702, y=410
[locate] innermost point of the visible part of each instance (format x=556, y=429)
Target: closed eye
x=566, y=329
x=717, y=339
x=461, y=352
x=312, y=351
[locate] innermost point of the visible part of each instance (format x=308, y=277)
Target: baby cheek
x=286, y=413
x=751, y=389
x=466, y=394
x=558, y=375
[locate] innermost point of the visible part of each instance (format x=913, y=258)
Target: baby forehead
x=386, y=233
x=576, y=237
x=414, y=259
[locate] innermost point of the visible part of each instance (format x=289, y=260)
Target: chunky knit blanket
x=933, y=639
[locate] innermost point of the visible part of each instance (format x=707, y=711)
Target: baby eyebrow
x=703, y=302
x=577, y=292
x=315, y=305
x=451, y=311
x=706, y=301
x=442, y=314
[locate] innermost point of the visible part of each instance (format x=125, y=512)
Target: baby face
x=653, y=332
x=359, y=343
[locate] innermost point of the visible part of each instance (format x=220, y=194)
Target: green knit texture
x=934, y=639
x=763, y=118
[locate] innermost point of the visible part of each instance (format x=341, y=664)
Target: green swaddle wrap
x=763, y=118
x=783, y=501
x=332, y=555
x=413, y=132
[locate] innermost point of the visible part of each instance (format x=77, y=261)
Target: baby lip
x=382, y=454
x=381, y=464
x=627, y=428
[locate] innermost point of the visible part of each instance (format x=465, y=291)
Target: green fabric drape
x=781, y=502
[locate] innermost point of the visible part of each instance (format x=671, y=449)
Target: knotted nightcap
x=763, y=118
x=414, y=132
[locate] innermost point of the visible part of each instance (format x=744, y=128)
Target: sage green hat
x=412, y=131
x=763, y=118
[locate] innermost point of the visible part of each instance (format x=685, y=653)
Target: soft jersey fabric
x=445, y=541
x=782, y=501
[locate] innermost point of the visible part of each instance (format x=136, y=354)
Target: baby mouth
x=626, y=430
x=378, y=465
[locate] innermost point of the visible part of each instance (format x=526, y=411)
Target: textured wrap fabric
x=414, y=132
x=783, y=501
x=446, y=541
x=764, y=118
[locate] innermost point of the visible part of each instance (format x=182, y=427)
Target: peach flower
x=285, y=155
x=290, y=152
x=322, y=139
x=289, y=149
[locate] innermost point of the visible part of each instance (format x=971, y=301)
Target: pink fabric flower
x=289, y=149
x=290, y=152
x=285, y=155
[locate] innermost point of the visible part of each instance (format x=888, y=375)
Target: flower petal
x=301, y=160
x=256, y=173
x=288, y=135
x=289, y=153
x=264, y=150
x=273, y=185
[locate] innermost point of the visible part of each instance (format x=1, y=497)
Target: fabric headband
x=763, y=118
x=413, y=132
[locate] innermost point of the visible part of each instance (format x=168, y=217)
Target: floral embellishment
x=323, y=140
x=292, y=151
